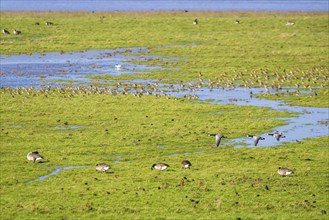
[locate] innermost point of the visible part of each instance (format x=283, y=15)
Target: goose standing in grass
x=290, y=23
x=102, y=167
x=284, y=171
x=34, y=156
x=48, y=23
x=277, y=135
x=196, y=21
x=218, y=138
x=5, y=31
x=237, y=21
x=16, y=32
x=256, y=138
x=186, y=164
x=160, y=166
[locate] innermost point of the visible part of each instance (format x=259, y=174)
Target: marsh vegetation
x=84, y=126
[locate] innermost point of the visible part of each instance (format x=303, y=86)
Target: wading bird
x=117, y=66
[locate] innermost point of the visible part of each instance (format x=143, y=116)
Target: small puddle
x=56, y=171
x=62, y=127
x=117, y=159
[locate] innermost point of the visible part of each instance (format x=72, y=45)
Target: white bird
x=117, y=66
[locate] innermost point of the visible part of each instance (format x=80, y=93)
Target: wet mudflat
x=57, y=69
x=60, y=69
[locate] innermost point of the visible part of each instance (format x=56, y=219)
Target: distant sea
x=158, y=5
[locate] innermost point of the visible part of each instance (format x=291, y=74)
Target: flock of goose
x=103, y=167
x=6, y=32
x=256, y=138
x=289, y=23
x=48, y=23
x=17, y=32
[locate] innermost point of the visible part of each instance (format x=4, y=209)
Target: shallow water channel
x=61, y=69
x=56, y=171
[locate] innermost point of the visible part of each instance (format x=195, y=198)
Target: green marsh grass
x=131, y=133
x=223, y=183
